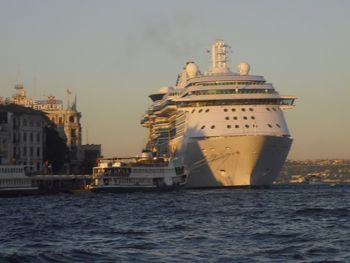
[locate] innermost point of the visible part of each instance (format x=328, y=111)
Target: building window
x=24, y=136
x=31, y=151
x=24, y=122
x=24, y=151
x=38, y=151
x=38, y=137
x=31, y=137
x=243, y=109
x=229, y=126
x=237, y=126
x=251, y=109
x=227, y=118
x=225, y=110
x=233, y=110
x=252, y=117
x=60, y=120
x=235, y=118
x=3, y=117
x=71, y=119
x=245, y=117
x=72, y=133
x=247, y=126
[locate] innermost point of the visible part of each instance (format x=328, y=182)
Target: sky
x=113, y=54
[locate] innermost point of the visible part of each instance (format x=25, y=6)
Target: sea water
x=280, y=224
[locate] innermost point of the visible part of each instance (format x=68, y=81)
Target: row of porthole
x=236, y=118
x=246, y=125
x=233, y=109
x=242, y=109
x=268, y=109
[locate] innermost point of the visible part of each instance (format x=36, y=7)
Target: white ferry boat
x=137, y=175
x=13, y=181
x=228, y=128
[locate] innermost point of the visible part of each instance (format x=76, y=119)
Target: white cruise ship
x=227, y=128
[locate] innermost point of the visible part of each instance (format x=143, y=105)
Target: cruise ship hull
x=235, y=161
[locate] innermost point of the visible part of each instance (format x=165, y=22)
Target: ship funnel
x=219, y=57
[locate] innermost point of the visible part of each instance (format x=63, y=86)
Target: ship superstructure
x=228, y=128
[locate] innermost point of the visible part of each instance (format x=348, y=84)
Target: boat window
x=252, y=117
x=268, y=109
x=228, y=126
x=243, y=109
x=227, y=118
x=193, y=110
x=251, y=109
x=200, y=111
x=274, y=109
x=269, y=125
x=236, y=126
x=225, y=110
x=203, y=127
x=233, y=109
x=278, y=125
x=245, y=117
x=247, y=126
x=207, y=110
x=212, y=127
x=235, y=117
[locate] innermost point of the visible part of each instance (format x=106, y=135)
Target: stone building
x=67, y=121
x=22, y=136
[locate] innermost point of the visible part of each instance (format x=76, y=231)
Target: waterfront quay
x=54, y=184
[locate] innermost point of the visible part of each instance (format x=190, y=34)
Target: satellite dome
x=191, y=69
x=166, y=90
x=243, y=68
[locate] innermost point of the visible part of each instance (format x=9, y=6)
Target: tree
x=55, y=150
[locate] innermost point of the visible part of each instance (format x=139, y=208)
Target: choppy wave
x=286, y=224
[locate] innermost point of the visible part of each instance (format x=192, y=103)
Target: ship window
x=236, y=126
x=247, y=126
x=253, y=118
x=245, y=117
x=251, y=109
x=228, y=126
x=225, y=110
x=268, y=109
x=203, y=127
x=243, y=109
x=193, y=110
x=227, y=118
x=274, y=109
x=207, y=110
x=235, y=118
x=200, y=110
x=278, y=125
x=212, y=127
x=233, y=109
x=269, y=125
